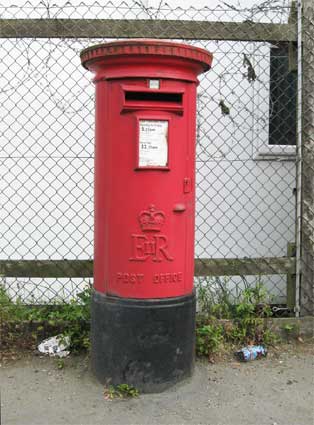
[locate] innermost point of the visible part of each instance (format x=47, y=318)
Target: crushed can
x=251, y=352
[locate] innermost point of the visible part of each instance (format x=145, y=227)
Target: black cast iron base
x=149, y=344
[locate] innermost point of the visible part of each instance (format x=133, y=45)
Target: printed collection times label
x=153, y=143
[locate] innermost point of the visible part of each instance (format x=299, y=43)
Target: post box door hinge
x=187, y=185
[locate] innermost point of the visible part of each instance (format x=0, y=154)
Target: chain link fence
x=246, y=135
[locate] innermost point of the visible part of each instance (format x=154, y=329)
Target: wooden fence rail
x=133, y=28
x=203, y=267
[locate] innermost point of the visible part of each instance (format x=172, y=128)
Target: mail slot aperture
x=153, y=96
x=148, y=99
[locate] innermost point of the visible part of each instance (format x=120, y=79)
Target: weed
x=246, y=319
x=288, y=328
x=60, y=363
x=208, y=339
x=213, y=298
x=121, y=391
x=291, y=331
x=270, y=338
x=246, y=325
x=73, y=318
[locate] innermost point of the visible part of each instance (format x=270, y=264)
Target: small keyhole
x=187, y=185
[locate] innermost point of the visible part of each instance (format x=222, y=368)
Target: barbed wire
x=230, y=10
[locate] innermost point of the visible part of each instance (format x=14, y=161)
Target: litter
x=56, y=346
x=251, y=352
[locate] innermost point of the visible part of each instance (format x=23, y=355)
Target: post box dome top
x=142, y=47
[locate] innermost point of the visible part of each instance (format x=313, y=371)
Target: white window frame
x=262, y=149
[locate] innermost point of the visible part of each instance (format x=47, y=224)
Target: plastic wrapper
x=251, y=352
x=55, y=346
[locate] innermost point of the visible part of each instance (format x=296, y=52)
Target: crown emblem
x=151, y=220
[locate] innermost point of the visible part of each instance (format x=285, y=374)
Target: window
x=276, y=139
x=283, y=99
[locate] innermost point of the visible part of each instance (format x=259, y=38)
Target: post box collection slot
x=149, y=96
x=153, y=100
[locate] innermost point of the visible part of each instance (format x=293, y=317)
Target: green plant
x=214, y=298
x=288, y=328
x=291, y=330
x=270, y=338
x=208, y=339
x=60, y=363
x=72, y=318
x=10, y=310
x=254, y=302
x=247, y=322
x=250, y=313
x=121, y=391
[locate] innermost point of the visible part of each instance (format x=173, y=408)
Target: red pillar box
x=143, y=308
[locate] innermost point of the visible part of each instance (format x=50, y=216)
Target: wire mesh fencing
x=246, y=135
